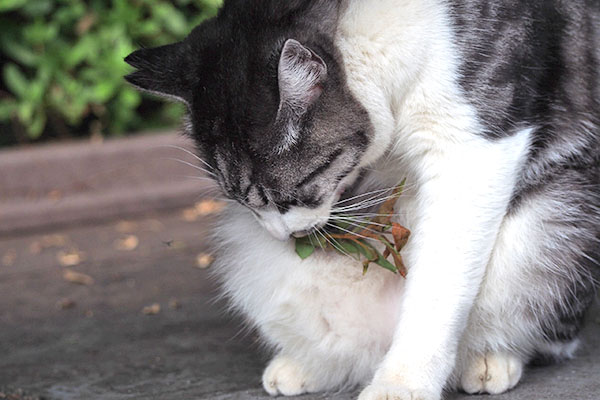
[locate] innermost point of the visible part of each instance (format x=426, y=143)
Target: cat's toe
x=284, y=376
x=493, y=373
x=378, y=391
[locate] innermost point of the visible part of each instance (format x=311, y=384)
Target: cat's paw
x=493, y=373
x=382, y=391
x=284, y=376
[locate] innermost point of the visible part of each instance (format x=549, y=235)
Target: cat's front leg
x=463, y=196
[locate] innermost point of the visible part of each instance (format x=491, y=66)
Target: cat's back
x=534, y=62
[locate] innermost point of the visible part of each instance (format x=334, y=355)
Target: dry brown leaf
x=85, y=23
x=70, y=258
x=55, y=240
x=77, y=277
x=151, y=309
x=189, y=215
x=55, y=195
x=154, y=225
x=126, y=226
x=66, y=303
x=400, y=234
x=35, y=247
x=174, y=303
x=128, y=243
x=9, y=258
x=48, y=241
x=207, y=207
x=204, y=260
x=175, y=244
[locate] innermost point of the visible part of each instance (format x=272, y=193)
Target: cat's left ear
x=301, y=73
x=162, y=71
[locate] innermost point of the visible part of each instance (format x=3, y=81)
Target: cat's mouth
x=308, y=231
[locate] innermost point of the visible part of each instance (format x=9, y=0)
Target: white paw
x=492, y=373
x=378, y=391
x=284, y=376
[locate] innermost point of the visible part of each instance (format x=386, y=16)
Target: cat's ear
x=301, y=73
x=161, y=71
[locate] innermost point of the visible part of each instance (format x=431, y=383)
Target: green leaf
x=103, y=91
x=15, y=80
x=38, y=7
x=18, y=52
x=343, y=224
x=368, y=251
x=381, y=261
x=8, y=5
x=304, y=249
x=41, y=32
x=37, y=125
x=400, y=188
x=7, y=109
x=348, y=246
x=25, y=112
x=171, y=18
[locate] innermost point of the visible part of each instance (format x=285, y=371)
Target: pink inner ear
x=315, y=92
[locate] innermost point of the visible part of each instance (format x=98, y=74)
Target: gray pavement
x=61, y=340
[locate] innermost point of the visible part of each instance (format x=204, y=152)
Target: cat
x=490, y=110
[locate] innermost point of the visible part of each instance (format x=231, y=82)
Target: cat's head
x=268, y=105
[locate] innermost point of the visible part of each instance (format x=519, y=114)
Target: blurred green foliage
x=62, y=64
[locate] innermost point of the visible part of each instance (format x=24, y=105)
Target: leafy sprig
x=359, y=242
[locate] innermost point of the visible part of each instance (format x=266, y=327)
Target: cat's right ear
x=162, y=71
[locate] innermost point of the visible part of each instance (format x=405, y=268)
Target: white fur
x=492, y=373
x=435, y=139
x=336, y=327
x=285, y=376
x=318, y=311
x=296, y=219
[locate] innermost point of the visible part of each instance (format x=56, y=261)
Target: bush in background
x=62, y=64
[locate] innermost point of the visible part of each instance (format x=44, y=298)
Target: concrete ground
x=93, y=340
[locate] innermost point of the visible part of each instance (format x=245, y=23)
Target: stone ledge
x=62, y=184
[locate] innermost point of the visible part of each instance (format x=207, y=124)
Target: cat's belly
x=321, y=304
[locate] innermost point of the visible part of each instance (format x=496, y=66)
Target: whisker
x=188, y=152
x=377, y=198
x=190, y=165
x=356, y=220
x=364, y=228
x=366, y=204
x=350, y=232
x=311, y=241
x=372, y=198
x=362, y=195
x=201, y=178
x=335, y=245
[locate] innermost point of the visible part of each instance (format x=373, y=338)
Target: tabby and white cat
x=490, y=109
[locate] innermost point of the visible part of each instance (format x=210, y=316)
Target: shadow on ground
x=62, y=340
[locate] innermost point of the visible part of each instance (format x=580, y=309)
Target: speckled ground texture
x=104, y=347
